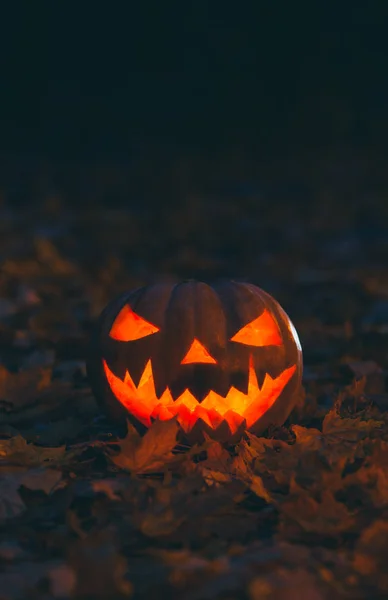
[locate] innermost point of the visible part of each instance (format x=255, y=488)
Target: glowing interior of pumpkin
x=197, y=353
x=129, y=326
x=141, y=401
x=262, y=331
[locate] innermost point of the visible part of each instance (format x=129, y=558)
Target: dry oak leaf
x=216, y=469
x=19, y=389
x=149, y=453
x=186, y=567
x=17, y=451
x=49, y=257
x=100, y=570
x=262, y=454
x=189, y=500
x=345, y=437
x=349, y=430
x=23, y=580
x=109, y=487
x=225, y=469
x=11, y=504
x=372, y=482
x=371, y=552
x=165, y=522
x=257, y=486
x=287, y=584
x=338, y=440
x=325, y=517
x=275, y=457
x=310, y=438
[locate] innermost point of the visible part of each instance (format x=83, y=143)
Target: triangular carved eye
x=197, y=353
x=262, y=331
x=128, y=326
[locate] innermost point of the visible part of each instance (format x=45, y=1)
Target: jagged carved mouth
x=141, y=401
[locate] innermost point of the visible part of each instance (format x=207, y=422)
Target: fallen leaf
x=325, y=516
x=25, y=580
x=11, y=504
x=257, y=486
x=20, y=389
x=149, y=453
x=287, y=584
x=17, y=451
x=100, y=570
x=109, y=487
x=350, y=430
x=370, y=552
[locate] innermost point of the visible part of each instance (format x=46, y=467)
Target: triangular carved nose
x=197, y=354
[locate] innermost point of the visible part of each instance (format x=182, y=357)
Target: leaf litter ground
x=301, y=512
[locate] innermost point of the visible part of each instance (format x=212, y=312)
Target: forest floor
x=299, y=513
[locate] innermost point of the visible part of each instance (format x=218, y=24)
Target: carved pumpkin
x=221, y=358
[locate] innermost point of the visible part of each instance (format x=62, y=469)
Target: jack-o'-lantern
x=221, y=358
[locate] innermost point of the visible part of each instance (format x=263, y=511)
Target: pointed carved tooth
x=214, y=401
x=129, y=397
x=147, y=376
x=233, y=419
x=252, y=381
x=271, y=390
x=188, y=400
x=186, y=418
x=237, y=400
x=128, y=380
x=202, y=413
x=166, y=398
x=142, y=402
x=215, y=417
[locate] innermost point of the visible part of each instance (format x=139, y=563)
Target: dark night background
x=270, y=80
x=158, y=140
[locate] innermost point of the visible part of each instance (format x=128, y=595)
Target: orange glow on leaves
x=141, y=401
x=129, y=326
x=262, y=331
x=198, y=354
